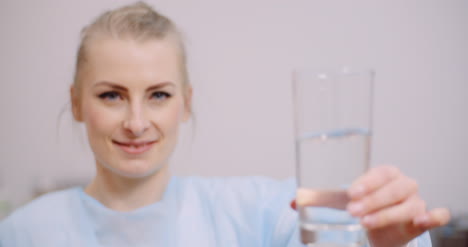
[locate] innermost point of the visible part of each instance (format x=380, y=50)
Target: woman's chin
x=133, y=170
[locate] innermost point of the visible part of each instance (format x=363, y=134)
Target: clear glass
x=333, y=129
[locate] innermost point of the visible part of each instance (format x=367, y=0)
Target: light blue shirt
x=237, y=211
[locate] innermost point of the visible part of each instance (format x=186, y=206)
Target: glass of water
x=333, y=129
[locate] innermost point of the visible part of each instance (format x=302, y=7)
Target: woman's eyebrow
x=120, y=87
x=161, y=85
x=110, y=84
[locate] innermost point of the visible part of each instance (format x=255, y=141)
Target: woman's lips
x=134, y=147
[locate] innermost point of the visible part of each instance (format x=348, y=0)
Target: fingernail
x=355, y=208
x=369, y=221
x=357, y=191
x=305, y=196
x=301, y=201
x=421, y=220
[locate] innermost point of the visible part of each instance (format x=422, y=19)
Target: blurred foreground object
x=5, y=203
x=455, y=234
x=5, y=208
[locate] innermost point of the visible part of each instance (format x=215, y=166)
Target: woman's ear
x=75, y=103
x=187, y=103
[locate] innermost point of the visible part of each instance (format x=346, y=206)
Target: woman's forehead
x=129, y=60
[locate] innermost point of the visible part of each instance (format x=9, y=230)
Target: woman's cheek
x=99, y=119
x=170, y=117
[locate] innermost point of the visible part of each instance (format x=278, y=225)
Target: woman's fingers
x=397, y=214
x=322, y=198
x=396, y=191
x=372, y=180
x=434, y=218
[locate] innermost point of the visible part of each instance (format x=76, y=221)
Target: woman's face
x=132, y=99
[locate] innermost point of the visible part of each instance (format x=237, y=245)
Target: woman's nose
x=136, y=123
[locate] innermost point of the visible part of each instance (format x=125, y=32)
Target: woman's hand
x=388, y=204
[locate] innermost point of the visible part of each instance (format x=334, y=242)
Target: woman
x=131, y=91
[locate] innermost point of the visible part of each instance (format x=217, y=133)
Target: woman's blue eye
x=160, y=95
x=110, y=96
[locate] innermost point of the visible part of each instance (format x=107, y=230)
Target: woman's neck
x=127, y=194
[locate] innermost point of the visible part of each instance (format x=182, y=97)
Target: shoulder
x=41, y=214
x=51, y=204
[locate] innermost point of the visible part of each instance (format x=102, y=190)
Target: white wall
x=241, y=56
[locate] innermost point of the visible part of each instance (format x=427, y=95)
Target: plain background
x=241, y=54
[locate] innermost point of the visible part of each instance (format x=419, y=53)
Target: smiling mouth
x=134, y=147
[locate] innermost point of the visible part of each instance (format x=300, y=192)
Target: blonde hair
x=137, y=22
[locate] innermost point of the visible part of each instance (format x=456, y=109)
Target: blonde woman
x=131, y=90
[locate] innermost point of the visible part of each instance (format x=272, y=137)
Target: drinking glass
x=333, y=117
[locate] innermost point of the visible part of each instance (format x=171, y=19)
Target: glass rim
x=335, y=70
